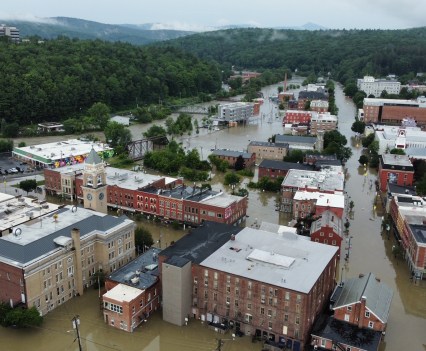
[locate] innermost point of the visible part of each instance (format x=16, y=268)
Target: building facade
x=328, y=229
x=395, y=169
x=11, y=32
x=375, y=87
x=232, y=156
x=297, y=116
x=268, y=151
x=274, y=169
x=323, y=121
x=319, y=106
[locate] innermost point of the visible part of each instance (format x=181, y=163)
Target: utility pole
x=75, y=324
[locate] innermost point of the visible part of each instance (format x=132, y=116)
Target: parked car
x=13, y=170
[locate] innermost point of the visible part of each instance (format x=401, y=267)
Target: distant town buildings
x=375, y=87
x=393, y=111
x=10, y=32
x=124, y=120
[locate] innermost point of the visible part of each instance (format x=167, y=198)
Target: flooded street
x=370, y=251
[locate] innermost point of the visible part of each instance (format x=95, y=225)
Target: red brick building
x=12, y=284
x=361, y=305
x=314, y=203
x=328, y=229
x=274, y=169
x=232, y=156
x=164, y=197
x=297, y=116
x=396, y=169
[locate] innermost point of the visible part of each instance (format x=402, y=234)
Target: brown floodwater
x=370, y=252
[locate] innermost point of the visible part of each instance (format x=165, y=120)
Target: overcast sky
x=199, y=14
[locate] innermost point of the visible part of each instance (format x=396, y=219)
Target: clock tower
x=94, y=183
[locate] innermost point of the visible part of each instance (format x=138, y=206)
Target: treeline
x=63, y=77
x=347, y=54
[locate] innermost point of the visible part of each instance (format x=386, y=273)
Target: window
x=321, y=233
x=370, y=324
x=349, y=308
x=286, y=317
x=262, y=310
x=287, y=295
x=367, y=314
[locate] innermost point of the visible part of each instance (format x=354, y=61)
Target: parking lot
x=11, y=168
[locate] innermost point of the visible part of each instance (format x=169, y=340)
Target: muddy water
x=370, y=251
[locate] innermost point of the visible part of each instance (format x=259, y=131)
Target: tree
x=363, y=160
x=334, y=136
x=100, y=113
x=28, y=185
x=396, y=151
x=19, y=317
x=358, y=127
x=239, y=163
x=351, y=205
x=231, y=178
x=6, y=145
x=368, y=140
x=155, y=131
x=22, y=144
x=143, y=239
x=350, y=89
x=11, y=130
x=117, y=134
x=295, y=156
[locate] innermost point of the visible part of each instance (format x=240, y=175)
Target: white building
x=125, y=121
x=236, y=111
x=11, y=32
x=410, y=139
x=372, y=86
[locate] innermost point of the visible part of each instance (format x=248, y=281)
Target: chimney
x=362, y=311
x=78, y=278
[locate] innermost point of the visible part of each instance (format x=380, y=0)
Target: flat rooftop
x=18, y=210
x=38, y=238
x=49, y=152
x=122, y=293
x=419, y=232
x=201, y=242
x=231, y=153
x=326, y=180
x=322, y=199
x=396, y=160
x=140, y=273
x=287, y=261
x=381, y=102
x=289, y=139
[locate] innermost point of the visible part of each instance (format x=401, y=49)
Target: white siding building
x=372, y=86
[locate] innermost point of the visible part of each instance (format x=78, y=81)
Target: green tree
x=28, y=185
x=6, y=145
x=100, y=113
x=363, y=160
x=239, y=163
x=396, y=151
x=155, y=131
x=117, y=134
x=19, y=317
x=11, y=130
x=295, y=156
x=368, y=140
x=350, y=89
x=358, y=127
x=231, y=178
x=421, y=186
x=22, y=144
x=143, y=239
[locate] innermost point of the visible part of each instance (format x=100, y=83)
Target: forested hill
x=60, y=78
x=51, y=28
x=344, y=53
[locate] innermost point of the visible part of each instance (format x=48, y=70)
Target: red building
x=396, y=169
x=361, y=310
x=274, y=169
x=297, y=116
x=232, y=156
x=164, y=197
x=314, y=203
x=328, y=229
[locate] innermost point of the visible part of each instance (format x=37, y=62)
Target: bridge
x=137, y=149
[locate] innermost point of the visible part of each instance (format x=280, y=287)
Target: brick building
x=274, y=169
x=394, y=111
x=297, y=116
x=362, y=305
x=323, y=121
x=268, y=151
x=133, y=292
x=319, y=106
x=232, y=156
x=328, y=229
x=396, y=169
x=239, y=284
x=48, y=261
x=408, y=215
x=305, y=96
x=314, y=203
x=164, y=197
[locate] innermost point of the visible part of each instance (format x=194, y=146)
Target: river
x=370, y=252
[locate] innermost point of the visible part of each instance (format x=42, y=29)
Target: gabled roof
x=378, y=295
x=93, y=158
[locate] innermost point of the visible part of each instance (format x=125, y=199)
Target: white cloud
x=26, y=17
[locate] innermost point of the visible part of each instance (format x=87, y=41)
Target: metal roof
x=294, y=139
x=287, y=261
x=93, y=158
x=284, y=166
x=231, y=153
x=378, y=295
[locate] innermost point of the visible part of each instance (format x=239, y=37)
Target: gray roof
x=145, y=267
x=395, y=189
x=21, y=254
x=266, y=144
x=231, y=153
x=378, y=295
x=177, y=261
x=348, y=334
x=291, y=139
x=93, y=158
x=419, y=232
x=284, y=166
x=201, y=242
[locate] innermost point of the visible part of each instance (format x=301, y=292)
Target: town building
x=375, y=87
x=11, y=32
x=326, y=181
x=133, y=292
x=49, y=260
x=60, y=154
x=268, y=151
x=319, y=106
x=236, y=281
x=396, y=169
x=393, y=111
x=328, y=229
x=410, y=139
x=297, y=116
x=123, y=120
x=274, y=169
x=296, y=142
x=408, y=215
x=305, y=96
x=323, y=121
x=361, y=307
x=138, y=192
x=231, y=157
x=314, y=203
x=49, y=127
x=396, y=190
x=245, y=75
x=236, y=111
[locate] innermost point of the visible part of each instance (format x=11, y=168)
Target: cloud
x=26, y=17
x=181, y=26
